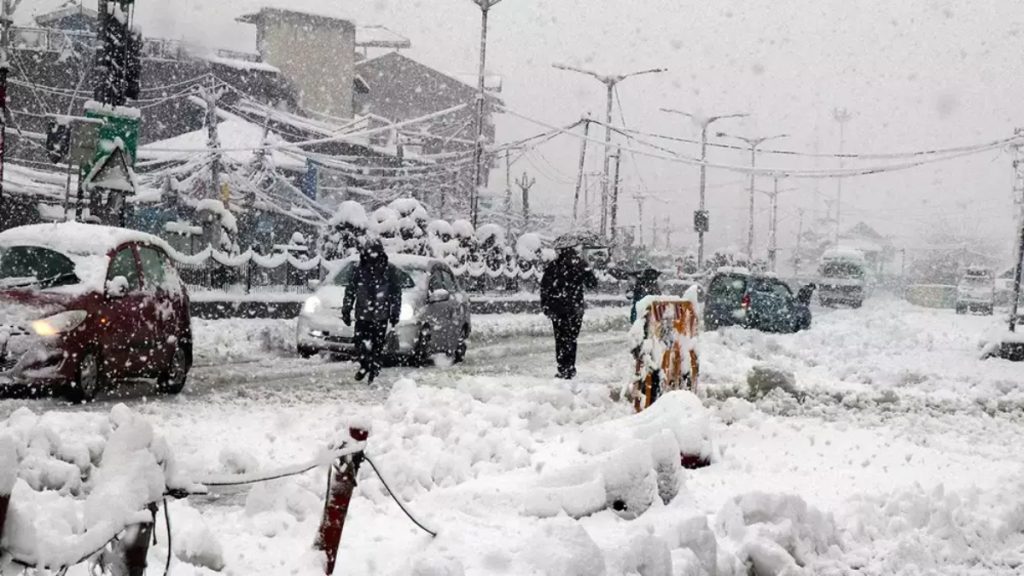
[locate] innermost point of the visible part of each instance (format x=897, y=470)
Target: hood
x=20, y=307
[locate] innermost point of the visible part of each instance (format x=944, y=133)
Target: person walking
x=376, y=297
x=561, y=299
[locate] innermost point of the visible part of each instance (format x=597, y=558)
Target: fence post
x=343, y=482
x=133, y=547
x=5, y=501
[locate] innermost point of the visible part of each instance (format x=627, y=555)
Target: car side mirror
x=117, y=287
x=440, y=295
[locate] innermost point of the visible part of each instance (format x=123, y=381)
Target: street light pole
x=610, y=82
x=842, y=116
x=754, y=143
x=701, y=222
x=478, y=154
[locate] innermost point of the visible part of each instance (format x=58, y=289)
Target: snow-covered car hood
x=19, y=308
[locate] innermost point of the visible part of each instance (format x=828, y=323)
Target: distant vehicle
x=976, y=291
x=82, y=306
x=841, y=278
x=735, y=297
x=435, y=316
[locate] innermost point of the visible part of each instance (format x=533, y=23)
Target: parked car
x=976, y=291
x=841, y=278
x=735, y=297
x=82, y=306
x=435, y=317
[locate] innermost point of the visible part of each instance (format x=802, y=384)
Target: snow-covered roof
x=234, y=133
x=70, y=9
x=278, y=14
x=380, y=37
x=74, y=237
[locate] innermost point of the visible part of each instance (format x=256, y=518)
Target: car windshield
x=33, y=266
x=408, y=276
x=841, y=270
x=728, y=288
x=977, y=281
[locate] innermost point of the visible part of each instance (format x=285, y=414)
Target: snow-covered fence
x=86, y=488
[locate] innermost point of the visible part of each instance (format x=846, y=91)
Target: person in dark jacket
x=375, y=294
x=561, y=298
x=646, y=284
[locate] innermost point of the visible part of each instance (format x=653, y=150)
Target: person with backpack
x=561, y=299
x=375, y=295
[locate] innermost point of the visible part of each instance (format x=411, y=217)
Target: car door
x=460, y=303
x=769, y=307
x=785, y=314
x=439, y=309
x=121, y=331
x=161, y=308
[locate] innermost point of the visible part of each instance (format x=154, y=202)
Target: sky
x=915, y=74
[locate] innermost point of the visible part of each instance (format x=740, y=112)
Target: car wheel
x=88, y=379
x=960, y=310
x=306, y=353
x=459, y=354
x=172, y=381
x=421, y=351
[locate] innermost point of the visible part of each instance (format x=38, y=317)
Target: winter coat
x=375, y=291
x=561, y=288
x=646, y=285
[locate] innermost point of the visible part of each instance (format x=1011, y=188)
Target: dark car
x=82, y=306
x=738, y=298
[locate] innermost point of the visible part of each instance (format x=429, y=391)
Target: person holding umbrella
x=561, y=299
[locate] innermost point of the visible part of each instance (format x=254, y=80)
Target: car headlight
x=59, y=323
x=312, y=305
x=407, y=312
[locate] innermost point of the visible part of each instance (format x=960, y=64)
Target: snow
x=529, y=246
x=463, y=229
x=843, y=254
x=350, y=213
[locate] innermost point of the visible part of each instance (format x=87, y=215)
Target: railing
x=50, y=40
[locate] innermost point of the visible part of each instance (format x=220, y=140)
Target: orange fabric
x=683, y=327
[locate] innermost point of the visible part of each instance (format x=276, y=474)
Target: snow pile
x=352, y=214
x=778, y=535
x=81, y=479
x=563, y=548
x=529, y=247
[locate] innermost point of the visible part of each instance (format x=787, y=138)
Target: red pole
x=5, y=501
x=343, y=483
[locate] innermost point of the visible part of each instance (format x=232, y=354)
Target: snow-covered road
x=898, y=451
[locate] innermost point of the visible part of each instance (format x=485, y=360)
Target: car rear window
x=344, y=276
x=28, y=266
x=841, y=270
x=727, y=288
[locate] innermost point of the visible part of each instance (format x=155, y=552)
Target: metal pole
x=508, y=188
x=606, y=171
x=1018, y=167
x=615, y=194
x=579, y=174
x=6, y=18
x=773, y=239
x=212, y=138
x=750, y=231
x=640, y=205
x=799, y=238
x=703, y=187
x=842, y=116
x=478, y=157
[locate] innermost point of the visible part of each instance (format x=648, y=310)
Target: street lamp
x=478, y=155
x=701, y=219
x=753, y=143
x=610, y=82
x=842, y=116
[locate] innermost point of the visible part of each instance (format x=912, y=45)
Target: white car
x=976, y=292
x=435, y=316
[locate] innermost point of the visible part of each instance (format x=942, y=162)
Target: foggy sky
x=916, y=74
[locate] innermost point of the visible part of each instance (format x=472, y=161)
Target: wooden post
x=339, y=496
x=133, y=547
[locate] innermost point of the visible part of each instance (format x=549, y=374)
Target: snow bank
x=350, y=213
x=81, y=479
x=562, y=547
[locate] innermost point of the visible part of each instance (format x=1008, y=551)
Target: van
x=841, y=278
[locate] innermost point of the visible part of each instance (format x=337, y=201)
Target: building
x=877, y=249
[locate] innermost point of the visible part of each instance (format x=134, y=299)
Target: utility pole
x=610, y=82
x=701, y=222
x=640, y=210
x=211, y=96
x=799, y=240
x=525, y=184
x=615, y=194
x=579, y=174
x=753, y=143
x=1018, y=193
x=842, y=116
x=481, y=98
x=773, y=233
x=668, y=234
x=7, y=8
x=508, y=188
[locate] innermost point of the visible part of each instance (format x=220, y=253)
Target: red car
x=82, y=306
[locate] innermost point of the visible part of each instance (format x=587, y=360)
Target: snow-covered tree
x=344, y=231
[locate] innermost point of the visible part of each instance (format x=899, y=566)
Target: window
x=450, y=283
x=157, y=270
x=437, y=280
x=123, y=264
x=780, y=289
x=23, y=266
x=728, y=288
